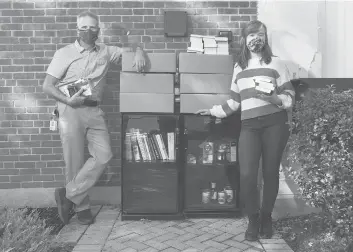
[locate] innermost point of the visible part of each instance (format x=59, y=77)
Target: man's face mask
x=255, y=45
x=89, y=36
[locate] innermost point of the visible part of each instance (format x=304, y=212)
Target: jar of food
x=230, y=194
x=206, y=196
x=221, y=197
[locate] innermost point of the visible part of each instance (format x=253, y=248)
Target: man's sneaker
x=64, y=205
x=85, y=217
x=252, y=232
x=266, y=226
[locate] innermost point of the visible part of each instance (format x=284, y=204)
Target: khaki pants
x=76, y=124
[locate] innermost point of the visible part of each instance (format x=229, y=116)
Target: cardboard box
x=205, y=63
x=146, y=103
x=155, y=62
x=190, y=103
x=146, y=83
x=205, y=83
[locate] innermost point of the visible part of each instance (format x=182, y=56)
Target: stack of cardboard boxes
x=151, y=91
x=205, y=80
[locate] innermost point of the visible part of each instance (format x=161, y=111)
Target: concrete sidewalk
x=110, y=234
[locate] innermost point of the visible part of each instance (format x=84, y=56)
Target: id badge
x=53, y=125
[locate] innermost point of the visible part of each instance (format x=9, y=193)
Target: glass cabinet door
x=211, y=169
x=150, y=171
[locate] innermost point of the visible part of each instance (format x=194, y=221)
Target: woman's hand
x=269, y=98
x=203, y=112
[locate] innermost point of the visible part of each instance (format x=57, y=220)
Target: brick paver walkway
x=110, y=234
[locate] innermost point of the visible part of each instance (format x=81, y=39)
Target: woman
x=264, y=127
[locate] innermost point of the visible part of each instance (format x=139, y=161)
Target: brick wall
x=31, y=31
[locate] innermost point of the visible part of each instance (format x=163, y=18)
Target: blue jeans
x=267, y=136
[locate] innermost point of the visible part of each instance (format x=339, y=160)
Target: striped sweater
x=243, y=93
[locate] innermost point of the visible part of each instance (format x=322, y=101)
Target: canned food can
x=221, y=198
x=208, y=153
x=219, y=156
x=230, y=194
x=206, y=196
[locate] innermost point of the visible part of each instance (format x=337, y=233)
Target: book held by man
x=72, y=88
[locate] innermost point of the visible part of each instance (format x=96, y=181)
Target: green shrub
x=23, y=232
x=322, y=143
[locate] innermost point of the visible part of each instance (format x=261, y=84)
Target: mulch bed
x=308, y=233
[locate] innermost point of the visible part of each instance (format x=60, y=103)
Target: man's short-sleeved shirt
x=73, y=62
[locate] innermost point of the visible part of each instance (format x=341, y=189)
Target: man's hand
x=76, y=100
x=139, y=61
x=204, y=112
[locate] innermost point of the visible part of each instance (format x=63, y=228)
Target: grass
x=308, y=233
x=31, y=230
x=51, y=217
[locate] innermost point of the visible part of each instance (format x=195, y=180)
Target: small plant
x=23, y=232
x=322, y=143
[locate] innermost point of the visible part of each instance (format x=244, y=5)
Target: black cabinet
x=179, y=165
x=211, y=173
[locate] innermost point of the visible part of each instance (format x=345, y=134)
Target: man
x=80, y=116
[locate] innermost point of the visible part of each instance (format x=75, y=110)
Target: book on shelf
x=135, y=149
x=128, y=146
x=149, y=146
x=171, y=142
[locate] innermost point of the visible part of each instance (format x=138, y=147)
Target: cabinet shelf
x=154, y=162
x=161, y=189
x=211, y=207
x=215, y=165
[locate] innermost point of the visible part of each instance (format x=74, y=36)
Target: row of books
x=149, y=147
x=208, y=45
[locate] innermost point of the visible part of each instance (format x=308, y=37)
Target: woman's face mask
x=255, y=45
x=89, y=36
x=256, y=41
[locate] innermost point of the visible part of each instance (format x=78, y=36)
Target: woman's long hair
x=244, y=56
